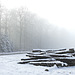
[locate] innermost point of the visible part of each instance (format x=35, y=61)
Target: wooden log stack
x=50, y=57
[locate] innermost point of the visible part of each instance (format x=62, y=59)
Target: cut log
x=55, y=50
x=37, y=53
x=28, y=59
x=50, y=51
x=47, y=50
x=65, y=51
x=39, y=56
x=23, y=62
x=69, y=60
x=39, y=60
x=49, y=64
x=60, y=55
x=71, y=50
x=62, y=49
x=36, y=50
x=73, y=54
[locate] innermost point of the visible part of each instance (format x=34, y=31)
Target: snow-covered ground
x=9, y=66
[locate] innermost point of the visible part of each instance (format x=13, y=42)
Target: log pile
x=49, y=57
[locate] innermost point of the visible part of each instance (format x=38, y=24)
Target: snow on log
x=37, y=53
x=65, y=51
x=49, y=64
x=60, y=55
x=39, y=56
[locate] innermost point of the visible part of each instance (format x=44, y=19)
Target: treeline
x=26, y=31
x=23, y=28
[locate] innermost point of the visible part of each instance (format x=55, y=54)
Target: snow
x=67, y=57
x=48, y=62
x=9, y=66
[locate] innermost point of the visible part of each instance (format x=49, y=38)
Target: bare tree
x=5, y=21
x=0, y=16
x=21, y=13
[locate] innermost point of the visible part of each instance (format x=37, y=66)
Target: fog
x=22, y=29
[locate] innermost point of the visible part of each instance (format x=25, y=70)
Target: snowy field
x=9, y=66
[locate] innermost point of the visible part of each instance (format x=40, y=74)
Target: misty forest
x=22, y=30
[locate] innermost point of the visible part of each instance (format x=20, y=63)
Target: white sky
x=58, y=12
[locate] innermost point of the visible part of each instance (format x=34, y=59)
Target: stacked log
x=50, y=57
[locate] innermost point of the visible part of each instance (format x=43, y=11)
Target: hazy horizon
x=57, y=12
